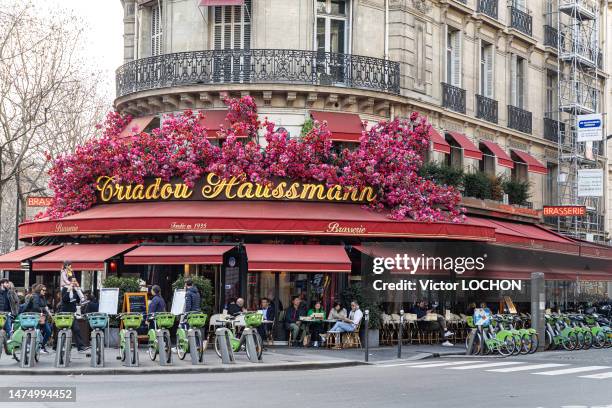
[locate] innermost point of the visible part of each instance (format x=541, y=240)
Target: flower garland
x=387, y=159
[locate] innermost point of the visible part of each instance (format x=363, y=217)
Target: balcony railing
x=552, y=128
x=488, y=7
x=486, y=108
x=551, y=37
x=259, y=66
x=453, y=98
x=521, y=21
x=519, y=119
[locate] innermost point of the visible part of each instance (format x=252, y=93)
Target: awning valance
x=213, y=121
x=297, y=258
x=221, y=2
x=503, y=159
x=12, y=261
x=469, y=149
x=437, y=141
x=177, y=255
x=136, y=126
x=344, y=127
x=533, y=165
x=84, y=257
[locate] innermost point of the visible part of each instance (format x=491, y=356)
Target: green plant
x=204, y=286
x=367, y=299
x=124, y=284
x=497, y=188
x=441, y=173
x=307, y=127
x=477, y=185
x=518, y=191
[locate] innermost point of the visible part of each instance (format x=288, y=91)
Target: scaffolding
x=579, y=93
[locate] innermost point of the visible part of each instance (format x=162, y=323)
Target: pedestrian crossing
x=593, y=372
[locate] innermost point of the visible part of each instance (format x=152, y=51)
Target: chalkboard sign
x=109, y=300
x=136, y=302
x=178, y=301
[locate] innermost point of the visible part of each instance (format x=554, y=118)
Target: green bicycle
x=129, y=337
x=252, y=321
x=162, y=321
x=63, y=323
x=195, y=321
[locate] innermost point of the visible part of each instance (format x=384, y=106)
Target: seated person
x=269, y=315
x=337, y=312
x=292, y=320
x=421, y=310
x=316, y=325
x=349, y=324
x=237, y=307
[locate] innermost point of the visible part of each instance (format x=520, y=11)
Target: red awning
x=297, y=258
x=469, y=149
x=83, y=257
x=177, y=255
x=135, y=126
x=438, y=142
x=213, y=121
x=243, y=217
x=533, y=165
x=503, y=159
x=12, y=261
x=221, y=2
x=344, y=127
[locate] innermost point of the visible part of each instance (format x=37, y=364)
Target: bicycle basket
x=29, y=320
x=470, y=321
x=132, y=321
x=164, y=320
x=2, y=320
x=253, y=319
x=97, y=320
x=63, y=320
x=196, y=320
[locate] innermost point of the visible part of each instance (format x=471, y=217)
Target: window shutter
x=456, y=63
x=513, y=79
x=489, y=71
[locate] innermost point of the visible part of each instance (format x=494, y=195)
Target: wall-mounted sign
x=590, y=183
x=564, y=210
x=589, y=128
x=39, y=201
x=212, y=187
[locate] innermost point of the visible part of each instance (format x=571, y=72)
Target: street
x=552, y=379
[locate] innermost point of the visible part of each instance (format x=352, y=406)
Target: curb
x=254, y=367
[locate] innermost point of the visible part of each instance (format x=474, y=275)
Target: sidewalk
x=274, y=359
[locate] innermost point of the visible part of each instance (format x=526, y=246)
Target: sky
x=104, y=35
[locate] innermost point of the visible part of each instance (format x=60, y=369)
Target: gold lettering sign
x=213, y=187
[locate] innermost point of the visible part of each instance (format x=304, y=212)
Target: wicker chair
x=352, y=339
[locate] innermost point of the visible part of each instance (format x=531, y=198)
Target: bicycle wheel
x=507, y=346
x=152, y=351
x=535, y=343
x=167, y=347
x=587, y=338
x=477, y=344
x=518, y=345
x=525, y=344
x=599, y=340
x=569, y=342
x=61, y=346
x=182, y=344
x=549, y=344
x=218, y=346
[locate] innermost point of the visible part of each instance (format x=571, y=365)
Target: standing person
x=292, y=320
x=158, y=304
x=38, y=304
x=193, y=300
x=71, y=297
x=316, y=325
x=9, y=303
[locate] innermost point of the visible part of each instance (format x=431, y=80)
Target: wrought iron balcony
x=519, y=119
x=270, y=66
x=488, y=7
x=453, y=98
x=552, y=128
x=486, y=108
x=551, y=37
x=521, y=21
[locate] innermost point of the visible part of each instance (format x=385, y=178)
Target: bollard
x=196, y=357
x=163, y=336
x=470, y=345
x=400, y=334
x=249, y=335
x=64, y=340
x=97, y=340
x=367, y=337
x=538, y=306
x=131, y=348
x=225, y=346
x=29, y=337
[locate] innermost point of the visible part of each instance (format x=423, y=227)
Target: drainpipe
x=386, y=29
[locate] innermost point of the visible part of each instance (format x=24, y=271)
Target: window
x=487, y=164
x=550, y=194
x=420, y=53
x=455, y=158
x=232, y=27
x=486, y=69
x=520, y=4
x=156, y=30
x=519, y=172
x=551, y=95
x=453, y=57
x=517, y=81
x=331, y=26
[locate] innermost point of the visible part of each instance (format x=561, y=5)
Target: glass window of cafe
x=284, y=285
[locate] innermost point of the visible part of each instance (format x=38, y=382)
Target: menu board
x=135, y=302
x=109, y=300
x=178, y=302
